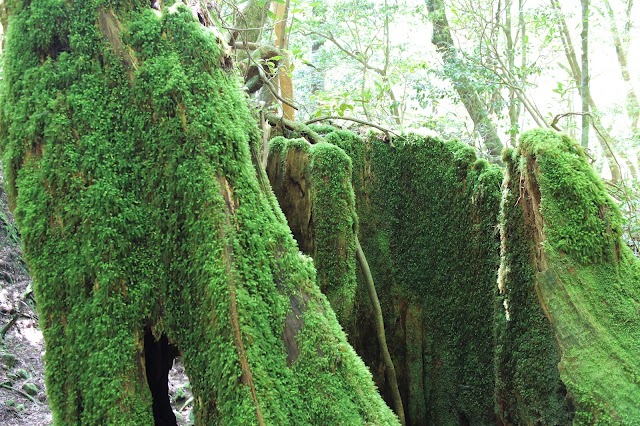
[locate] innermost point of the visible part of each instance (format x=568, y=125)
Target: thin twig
x=10, y=324
x=273, y=90
x=187, y=402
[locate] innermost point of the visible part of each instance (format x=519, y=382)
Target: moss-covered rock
x=568, y=334
x=126, y=148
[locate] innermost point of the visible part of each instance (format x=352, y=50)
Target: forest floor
x=23, y=400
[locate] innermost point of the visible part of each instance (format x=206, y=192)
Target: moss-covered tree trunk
x=427, y=213
x=126, y=149
x=568, y=335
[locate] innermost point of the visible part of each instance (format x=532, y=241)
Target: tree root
x=382, y=339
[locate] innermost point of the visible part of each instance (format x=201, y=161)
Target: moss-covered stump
x=427, y=212
x=126, y=149
x=568, y=335
x=427, y=216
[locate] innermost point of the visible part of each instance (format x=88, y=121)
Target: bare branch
x=297, y=126
x=355, y=120
x=272, y=89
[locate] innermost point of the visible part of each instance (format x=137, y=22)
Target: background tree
x=584, y=78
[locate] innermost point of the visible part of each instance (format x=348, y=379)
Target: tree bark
x=148, y=233
x=282, y=42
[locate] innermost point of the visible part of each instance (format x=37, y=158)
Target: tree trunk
x=584, y=82
x=413, y=198
x=633, y=106
x=605, y=139
x=252, y=21
x=148, y=234
x=476, y=109
x=313, y=185
x=282, y=43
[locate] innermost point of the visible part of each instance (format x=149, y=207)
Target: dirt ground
x=23, y=400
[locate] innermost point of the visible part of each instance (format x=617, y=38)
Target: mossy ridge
x=313, y=186
x=138, y=206
x=587, y=281
x=528, y=384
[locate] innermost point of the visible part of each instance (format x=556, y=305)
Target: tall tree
x=584, y=81
x=126, y=145
x=604, y=137
x=476, y=109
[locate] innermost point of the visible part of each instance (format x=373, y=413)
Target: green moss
x=313, y=184
x=323, y=129
x=429, y=234
x=528, y=384
x=582, y=221
x=571, y=286
x=127, y=156
x=335, y=225
x=427, y=212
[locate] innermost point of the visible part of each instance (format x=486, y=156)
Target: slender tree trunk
x=511, y=53
x=282, y=43
x=476, y=109
x=633, y=106
x=252, y=21
x=605, y=139
x=584, y=83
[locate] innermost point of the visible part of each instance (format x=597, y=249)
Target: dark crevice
x=159, y=356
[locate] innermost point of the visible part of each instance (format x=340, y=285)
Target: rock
x=22, y=373
x=7, y=359
x=30, y=388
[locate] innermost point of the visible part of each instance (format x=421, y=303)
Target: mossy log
x=126, y=149
x=568, y=335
